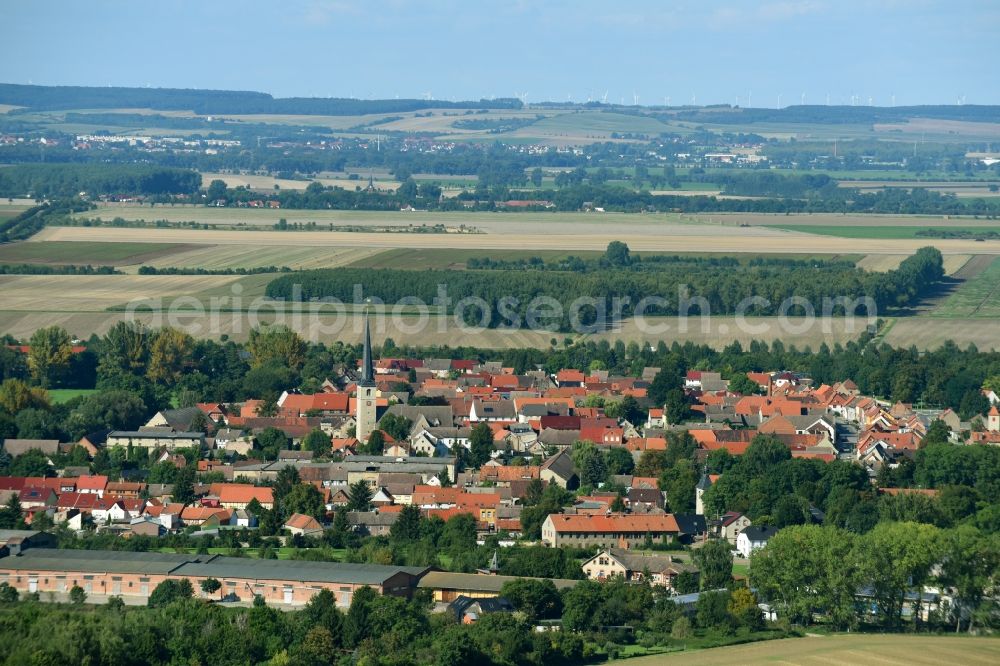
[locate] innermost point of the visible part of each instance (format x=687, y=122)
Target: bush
x=77, y=595
x=8, y=594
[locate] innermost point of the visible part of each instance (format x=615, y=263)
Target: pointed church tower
x=364, y=410
x=699, y=493
x=993, y=420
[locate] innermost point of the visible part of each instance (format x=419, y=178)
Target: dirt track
x=664, y=238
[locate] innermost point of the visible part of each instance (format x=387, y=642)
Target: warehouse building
x=134, y=576
x=447, y=586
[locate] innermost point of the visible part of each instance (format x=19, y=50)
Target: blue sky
x=920, y=51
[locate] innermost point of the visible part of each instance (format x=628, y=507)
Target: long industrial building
x=134, y=576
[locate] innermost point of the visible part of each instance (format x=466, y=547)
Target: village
x=474, y=439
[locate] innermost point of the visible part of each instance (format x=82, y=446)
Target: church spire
x=367, y=375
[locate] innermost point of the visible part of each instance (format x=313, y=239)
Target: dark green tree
x=715, y=561
x=480, y=444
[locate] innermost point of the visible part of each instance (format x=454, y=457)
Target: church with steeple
x=364, y=405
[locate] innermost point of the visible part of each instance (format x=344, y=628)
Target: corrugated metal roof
x=318, y=572
x=217, y=566
x=477, y=582
x=51, y=559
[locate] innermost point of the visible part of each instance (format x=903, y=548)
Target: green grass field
x=876, y=231
x=60, y=396
x=83, y=253
x=888, y=649
x=978, y=297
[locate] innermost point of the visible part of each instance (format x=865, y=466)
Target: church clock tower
x=364, y=410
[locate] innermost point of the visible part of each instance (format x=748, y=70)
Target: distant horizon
x=541, y=102
x=768, y=54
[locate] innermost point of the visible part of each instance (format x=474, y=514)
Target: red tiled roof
x=563, y=523
x=241, y=493
x=302, y=522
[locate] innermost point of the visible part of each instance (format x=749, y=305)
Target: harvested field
x=887, y=649
x=930, y=332
x=548, y=223
x=887, y=262
x=94, y=293
x=663, y=237
x=267, y=183
x=720, y=331
x=407, y=329
x=93, y=253
x=963, y=128
x=261, y=256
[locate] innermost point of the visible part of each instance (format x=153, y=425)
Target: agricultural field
x=887, y=649
x=95, y=293
x=884, y=232
x=978, y=297
x=887, y=262
x=588, y=126
x=974, y=188
x=719, y=331
x=86, y=252
x=261, y=256
x=927, y=331
x=516, y=232
x=552, y=222
x=268, y=183
x=329, y=327
x=423, y=259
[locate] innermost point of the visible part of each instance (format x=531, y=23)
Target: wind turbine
x=802, y=100
x=779, y=100
x=635, y=99
x=604, y=100
x=749, y=95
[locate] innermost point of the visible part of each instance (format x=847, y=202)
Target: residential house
x=239, y=495
x=752, y=538
x=608, y=530
x=732, y=525
x=560, y=470
x=155, y=438
x=301, y=524
x=467, y=610
x=631, y=566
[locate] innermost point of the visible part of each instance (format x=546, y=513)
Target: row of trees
x=824, y=572
x=588, y=299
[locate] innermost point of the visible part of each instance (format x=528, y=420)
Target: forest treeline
x=31, y=221
x=508, y=294
x=46, y=98
x=68, y=180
